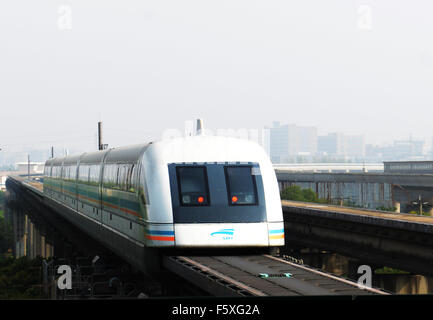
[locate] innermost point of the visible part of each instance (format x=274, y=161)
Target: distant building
x=408, y=149
x=281, y=142
x=354, y=146
x=339, y=144
x=306, y=138
x=400, y=150
x=35, y=167
x=288, y=141
x=330, y=144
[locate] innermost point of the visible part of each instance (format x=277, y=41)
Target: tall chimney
x=199, y=128
x=100, y=146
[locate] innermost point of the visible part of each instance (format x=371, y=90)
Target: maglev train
x=189, y=192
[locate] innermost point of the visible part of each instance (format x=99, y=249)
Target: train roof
x=72, y=160
x=93, y=157
x=181, y=149
x=127, y=154
x=58, y=161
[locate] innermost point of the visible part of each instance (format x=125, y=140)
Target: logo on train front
x=224, y=234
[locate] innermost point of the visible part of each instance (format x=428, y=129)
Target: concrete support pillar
x=43, y=248
x=31, y=237
x=47, y=250
x=38, y=243
x=35, y=242
x=25, y=235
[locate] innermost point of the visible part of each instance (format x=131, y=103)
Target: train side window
x=73, y=173
x=127, y=182
x=64, y=172
x=67, y=169
x=118, y=173
x=142, y=186
x=106, y=176
x=110, y=176
x=193, y=186
x=132, y=178
x=123, y=175
x=83, y=173
x=241, y=185
x=94, y=174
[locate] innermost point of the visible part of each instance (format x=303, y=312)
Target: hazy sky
x=143, y=66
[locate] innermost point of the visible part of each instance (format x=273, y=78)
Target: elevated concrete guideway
x=330, y=167
x=366, y=189
x=410, y=180
x=231, y=274
x=401, y=241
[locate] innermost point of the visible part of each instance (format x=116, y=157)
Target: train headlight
x=186, y=199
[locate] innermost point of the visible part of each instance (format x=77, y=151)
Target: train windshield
x=217, y=192
x=193, y=186
x=241, y=185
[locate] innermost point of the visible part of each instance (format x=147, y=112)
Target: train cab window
x=241, y=185
x=193, y=186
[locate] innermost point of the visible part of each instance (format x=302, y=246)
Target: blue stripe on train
x=162, y=233
x=276, y=231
